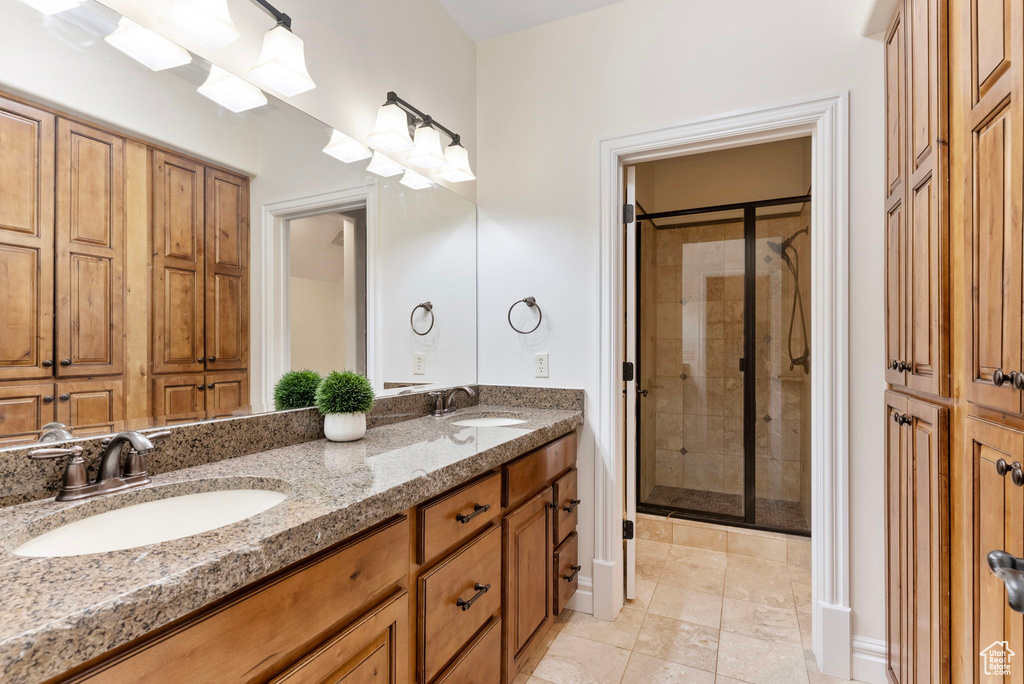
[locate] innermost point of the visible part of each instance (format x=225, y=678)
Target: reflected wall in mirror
x=164, y=259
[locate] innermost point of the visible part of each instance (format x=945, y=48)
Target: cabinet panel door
x=24, y=410
x=227, y=394
x=895, y=110
x=90, y=251
x=178, y=265
x=179, y=398
x=528, y=584
x=999, y=523
x=91, y=407
x=897, y=557
x=895, y=295
x=26, y=240
x=227, y=271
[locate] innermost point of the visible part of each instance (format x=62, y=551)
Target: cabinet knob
x=1002, y=467
x=48, y=399
x=895, y=365
x=211, y=359
x=902, y=366
x=65, y=362
x=200, y=359
x=210, y=386
x=200, y=387
x=901, y=419
x=47, y=363
x=65, y=397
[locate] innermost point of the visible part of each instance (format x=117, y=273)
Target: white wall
x=318, y=325
x=547, y=95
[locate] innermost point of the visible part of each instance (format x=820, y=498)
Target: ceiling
x=483, y=19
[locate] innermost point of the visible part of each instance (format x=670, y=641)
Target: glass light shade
x=282, y=63
x=147, y=47
x=346, y=149
x=206, y=21
x=51, y=7
x=427, y=151
x=456, y=169
x=384, y=166
x=413, y=180
x=391, y=132
x=230, y=91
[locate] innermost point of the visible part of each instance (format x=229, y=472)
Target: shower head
x=780, y=249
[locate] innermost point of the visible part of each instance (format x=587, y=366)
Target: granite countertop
x=56, y=613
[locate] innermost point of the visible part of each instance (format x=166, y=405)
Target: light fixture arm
x=418, y=116
x=280, y=17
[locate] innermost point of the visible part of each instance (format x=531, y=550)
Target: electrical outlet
x=540, y=365
x=419, y=363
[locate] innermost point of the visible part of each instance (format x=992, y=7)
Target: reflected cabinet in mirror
x=164, y=259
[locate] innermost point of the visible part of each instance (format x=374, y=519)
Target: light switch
x=419, y=363
x=540, y=365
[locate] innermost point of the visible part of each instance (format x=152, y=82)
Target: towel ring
x=429, y=308
x=532, y=303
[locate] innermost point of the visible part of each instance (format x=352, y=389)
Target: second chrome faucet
x=444, y=401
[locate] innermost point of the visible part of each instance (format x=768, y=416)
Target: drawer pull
x=477, y=510
x=1016, y=471
x=575, y=571
x=481, y=589
x=572, y=506
x=1011, y=571
x=902, y=419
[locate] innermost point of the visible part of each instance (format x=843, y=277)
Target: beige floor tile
x=699, y=537
x=647, y=549
x=644, y=669
x=574, y=660
x=719, y=679
x=711, y=559
x=815, y=676
x=802, y=597
x=686, y=605
x=686, y=575
x=657, y=530
x=760, y=621
x=806, y=639
x=758, y=566
x=678, y=642
x=649, y=570
x=542, y=648
x=799, y=574
x=644, y=592
x=798, y=552
x=620, y=632
x=760, y=662
x=757, y=546
x=768, y=591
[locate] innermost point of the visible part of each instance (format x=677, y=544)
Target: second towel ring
x=429, y=308
x=532, y=303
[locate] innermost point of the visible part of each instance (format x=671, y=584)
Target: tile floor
x=719, y=615
x=769, y=512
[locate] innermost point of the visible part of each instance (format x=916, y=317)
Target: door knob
x=65, y=362
x=1010, y=570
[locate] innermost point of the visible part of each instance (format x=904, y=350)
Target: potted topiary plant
x=344, y=399
x=296, y=389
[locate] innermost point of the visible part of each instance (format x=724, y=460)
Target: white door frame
x=271, y=274
x=825, y=120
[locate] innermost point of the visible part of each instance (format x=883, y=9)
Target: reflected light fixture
x=345, y=148
x=282, y=63
x=413, y=180
x=205, y=21
x=427, y=152
x=456, y=169
x=384, y=166
x=391, y=132
x=232, y=92
x=147, y=47
x=51, y=7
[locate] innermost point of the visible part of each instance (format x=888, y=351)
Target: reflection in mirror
x=165, y=259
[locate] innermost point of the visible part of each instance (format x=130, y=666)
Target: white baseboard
x=832, y=640
x=868, y=661
x=583, y=599
x=607, y=590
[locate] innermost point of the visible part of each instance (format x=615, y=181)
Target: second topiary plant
x=344, y=399
x=296, y=389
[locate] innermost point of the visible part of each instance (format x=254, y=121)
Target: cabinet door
x=999, y=523
x=178, y=265
x=895, y=295
x=179, y=398
x=26, y=241
x=227, y=394
x=926, y=201
x=24, y=410
x=528, y=567
x=227, y=271
x=91, y=407
x=992, y=211
x=897, y=551
x=90, y=251
x=895, y=170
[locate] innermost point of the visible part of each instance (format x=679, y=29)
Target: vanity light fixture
x=232, y=92
x=51, y=7
x=206, y=21
x=282, y=62
x=147, y=47
x=456, y=169
x=393, y=121
x=413, y=180
x=384, y=166
x=346, y=149
x=391, y=132
x=427, y=152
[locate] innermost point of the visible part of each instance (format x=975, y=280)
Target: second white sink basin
x=491, y=421
x=151, y=522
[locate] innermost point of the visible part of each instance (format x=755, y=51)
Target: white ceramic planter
x=344, y=427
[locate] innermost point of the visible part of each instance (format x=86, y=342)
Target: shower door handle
x=642, y=393
x=743, y=365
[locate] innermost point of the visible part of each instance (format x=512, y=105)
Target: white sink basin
x=151, y=522
x=492, y=421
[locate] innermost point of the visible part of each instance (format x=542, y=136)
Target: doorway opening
x=722, y=336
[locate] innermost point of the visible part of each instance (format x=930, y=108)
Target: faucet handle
x=55, y=452
x=157, y=436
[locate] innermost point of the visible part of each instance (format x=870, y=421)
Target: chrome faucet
x=113, y=475
x=444, y=402
x=56, y=432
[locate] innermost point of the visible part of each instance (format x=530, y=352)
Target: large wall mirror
x=164, y=259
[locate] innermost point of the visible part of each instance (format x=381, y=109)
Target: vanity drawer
x=251, y=636
x=531, y=473
x=481, y=662
x=458, y=515
x=447, y=623
x=566, y=505
x=567, y=576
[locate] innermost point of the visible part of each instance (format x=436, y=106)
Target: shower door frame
x=749, y=517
